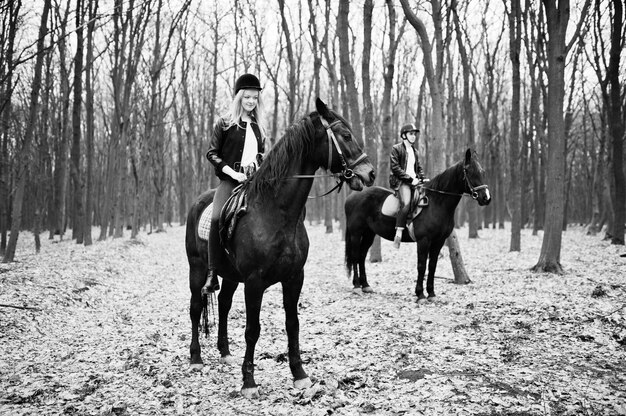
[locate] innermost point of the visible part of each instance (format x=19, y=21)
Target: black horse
x=270, y=243
x=366, y=216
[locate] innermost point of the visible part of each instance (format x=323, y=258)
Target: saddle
x=419, y=200
x=234, y=208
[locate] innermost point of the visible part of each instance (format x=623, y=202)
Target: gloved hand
x=239, y=176
x=415, y=182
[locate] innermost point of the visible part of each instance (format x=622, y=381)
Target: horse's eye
x=347, y=136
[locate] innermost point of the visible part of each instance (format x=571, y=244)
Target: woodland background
x=105, y=111
x=106, y=106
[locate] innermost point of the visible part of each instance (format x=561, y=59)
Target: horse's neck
x=294, y=192
x=451, y=182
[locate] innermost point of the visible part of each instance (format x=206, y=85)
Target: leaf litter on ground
x=109, y=333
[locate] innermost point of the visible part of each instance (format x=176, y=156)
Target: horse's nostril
x=372, y=176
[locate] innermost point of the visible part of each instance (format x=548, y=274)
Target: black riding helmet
x=247, y=82
x=408, y=128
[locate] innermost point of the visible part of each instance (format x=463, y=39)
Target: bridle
x=347, y=171
x=473, y=190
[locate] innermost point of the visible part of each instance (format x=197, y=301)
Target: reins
x=472, y=189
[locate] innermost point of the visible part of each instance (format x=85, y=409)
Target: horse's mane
x=296, y=141
x=445, y=179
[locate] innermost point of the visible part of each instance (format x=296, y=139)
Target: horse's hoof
x=196, y=367
x=367, y=289
x=302, y=384
x=431, y=298
x=356, y=290
x=250, y=393
x=228, y=359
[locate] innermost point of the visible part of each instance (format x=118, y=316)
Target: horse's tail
x=349, y=260
x=208, y=308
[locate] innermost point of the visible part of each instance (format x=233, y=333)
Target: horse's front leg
x=254, y=289
x=433, y=254
x=197, y=277
x=225, y=301
x=422, y=257
x=291, y=296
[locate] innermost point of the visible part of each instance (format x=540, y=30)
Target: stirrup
x=422, y=202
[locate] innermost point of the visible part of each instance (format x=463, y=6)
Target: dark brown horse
x=270, y=243
x=365, y=217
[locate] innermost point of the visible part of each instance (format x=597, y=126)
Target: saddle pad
x=391, y=206
x=204, y=225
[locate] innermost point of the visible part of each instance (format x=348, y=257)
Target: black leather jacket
x=226, y=147
x=398, y=160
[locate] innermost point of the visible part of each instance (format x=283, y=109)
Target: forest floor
x=110, y=333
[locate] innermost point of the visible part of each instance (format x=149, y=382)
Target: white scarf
x=250, y=147
x=410, y=160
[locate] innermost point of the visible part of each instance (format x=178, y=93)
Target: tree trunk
x=61, y=151
x=89, y=122
x=515, y=205
x=347, y=71
x=75, y=171
x=24, y=155
x=437, y=141
x=616, y=124
x=291, y=76
x=6, y=93
x=369, y=125
x=468, y=113
x=557, y=20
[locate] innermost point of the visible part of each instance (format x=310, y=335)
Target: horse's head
x=473, y=177
x=345, y=155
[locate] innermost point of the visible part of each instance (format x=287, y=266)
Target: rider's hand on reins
x=239, y=176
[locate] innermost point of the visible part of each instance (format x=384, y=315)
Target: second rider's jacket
x=226, y=147
x=398, y=161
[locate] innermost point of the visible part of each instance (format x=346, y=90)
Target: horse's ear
x=468, y=156
x=321, y=107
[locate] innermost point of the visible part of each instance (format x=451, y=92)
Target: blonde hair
x=236, y=111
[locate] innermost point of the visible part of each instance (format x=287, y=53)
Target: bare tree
x=434, y=77
x=10, y=21
x=468, y=112
x=613, y=102
x=557, y=17
x=291, y=61
x=58, y=217
x=128, y=40
x=89, y=121
x=347, y=71
x=515, y=35
x=23, y=158
x=369, y=124
x=387, y=135
x=78, y=208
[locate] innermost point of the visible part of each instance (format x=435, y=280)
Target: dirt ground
x=104, y=330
